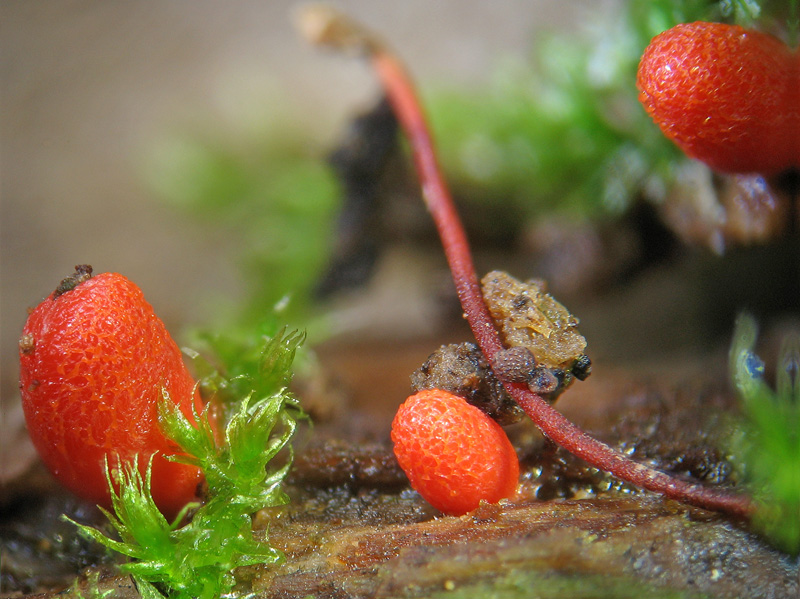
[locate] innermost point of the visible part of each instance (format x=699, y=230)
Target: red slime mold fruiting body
x=94, y=361
x=454, y=454
x=725, y=95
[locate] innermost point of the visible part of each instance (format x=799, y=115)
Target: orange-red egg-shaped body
x=454, y=455
x=725, y=95
x=94, y=360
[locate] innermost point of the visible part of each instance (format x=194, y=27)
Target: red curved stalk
x=553, y=424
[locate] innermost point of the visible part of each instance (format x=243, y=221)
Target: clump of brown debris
x=527, y=316
x=461, y=369
x=543, y=350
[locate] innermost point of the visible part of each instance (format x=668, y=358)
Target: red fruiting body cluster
x=725, y=95
x=454, y=455
x=94, y=360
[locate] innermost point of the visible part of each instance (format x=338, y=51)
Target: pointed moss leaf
x=277, y=357
x=228, y=539
x=196, y=440
x=99, y=537
x=143, y=530
x=271, y=494
x=147, y=590
x=143, y=523
x=252, y=446
x=248, y=435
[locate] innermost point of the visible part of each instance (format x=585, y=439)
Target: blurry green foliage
x=562, y=130
x=565, y=130
x=272, y=193
x=766, y=442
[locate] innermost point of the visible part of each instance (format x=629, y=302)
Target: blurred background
x=94, y=95
x=188, y=146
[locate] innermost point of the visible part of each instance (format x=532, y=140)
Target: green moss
x=243, y=473
x=766, y=442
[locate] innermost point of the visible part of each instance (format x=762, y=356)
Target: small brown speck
x=83, y=272
x=27, y=343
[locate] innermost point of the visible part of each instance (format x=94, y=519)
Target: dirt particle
x=462, y=369
x=83, y=272
x=27, y=343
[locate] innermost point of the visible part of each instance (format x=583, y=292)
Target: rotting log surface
x=354, y=529
x=625, y=546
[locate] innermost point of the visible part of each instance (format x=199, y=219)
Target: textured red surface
x=453, y=454
x=91, y=384
x=725, y=95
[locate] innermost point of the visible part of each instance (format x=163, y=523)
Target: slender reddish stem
x=552, y=423
x=437, y=198
x=328, y=27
